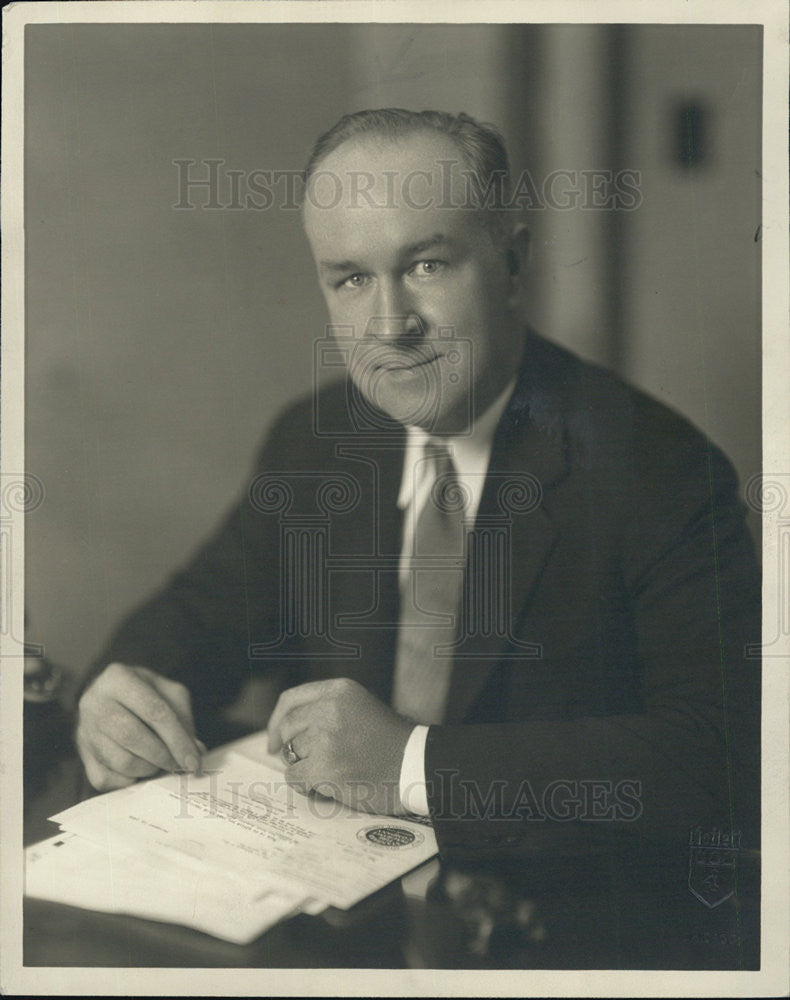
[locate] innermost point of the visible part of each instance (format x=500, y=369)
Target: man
x=528, y=587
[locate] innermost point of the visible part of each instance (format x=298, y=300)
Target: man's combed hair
x=482, y=148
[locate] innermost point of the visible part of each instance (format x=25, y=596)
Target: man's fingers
x=176, y=695
x=295, y=723
x=305, y=779
x=298, y=777
x=303, y=743
x=303, y=694
x=121, y=728
x=132, y=723
x=123, y=762
x=149, y=706
x=102, y=778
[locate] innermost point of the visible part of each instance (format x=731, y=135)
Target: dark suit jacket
x=600, y=694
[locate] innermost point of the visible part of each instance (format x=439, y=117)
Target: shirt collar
x=470, y=452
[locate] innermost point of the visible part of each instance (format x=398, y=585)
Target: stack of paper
x=230, y=853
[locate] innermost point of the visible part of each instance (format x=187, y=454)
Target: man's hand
x=351, y=744
x=132, y=723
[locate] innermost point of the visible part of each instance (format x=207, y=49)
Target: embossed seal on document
x=391, y=837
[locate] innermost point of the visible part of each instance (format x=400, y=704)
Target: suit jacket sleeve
x=689, y=755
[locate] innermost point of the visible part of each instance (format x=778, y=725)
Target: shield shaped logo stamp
x=713, y=857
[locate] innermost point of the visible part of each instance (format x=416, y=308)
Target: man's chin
x=410, y=402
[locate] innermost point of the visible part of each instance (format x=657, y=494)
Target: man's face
x=419, y=290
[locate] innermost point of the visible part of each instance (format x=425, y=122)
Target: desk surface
x=440, y=917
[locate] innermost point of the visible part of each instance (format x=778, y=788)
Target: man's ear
x=518, y=252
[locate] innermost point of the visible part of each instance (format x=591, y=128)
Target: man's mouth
x=407, y=366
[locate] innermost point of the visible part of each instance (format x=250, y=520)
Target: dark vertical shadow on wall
x=616, y=68
x=523, y=67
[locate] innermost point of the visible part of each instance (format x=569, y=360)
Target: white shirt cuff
x=413, y=795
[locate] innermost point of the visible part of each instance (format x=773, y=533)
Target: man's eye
x=353, y=281
x=426, y=268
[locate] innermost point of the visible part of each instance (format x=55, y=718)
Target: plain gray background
x=161, y=342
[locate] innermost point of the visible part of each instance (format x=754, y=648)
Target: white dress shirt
x=471, y=454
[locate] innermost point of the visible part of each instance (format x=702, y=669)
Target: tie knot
x=439, y=454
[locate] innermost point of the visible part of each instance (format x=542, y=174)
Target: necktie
x=430, y=594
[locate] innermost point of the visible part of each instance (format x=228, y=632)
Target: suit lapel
x=513, y=534
x=363, y=557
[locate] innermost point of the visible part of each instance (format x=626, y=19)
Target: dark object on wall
x=691, y=134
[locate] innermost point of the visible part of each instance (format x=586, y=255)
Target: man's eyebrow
x=438, y=239
x=339, y=265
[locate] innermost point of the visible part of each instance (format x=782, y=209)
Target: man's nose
x=396, y=316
